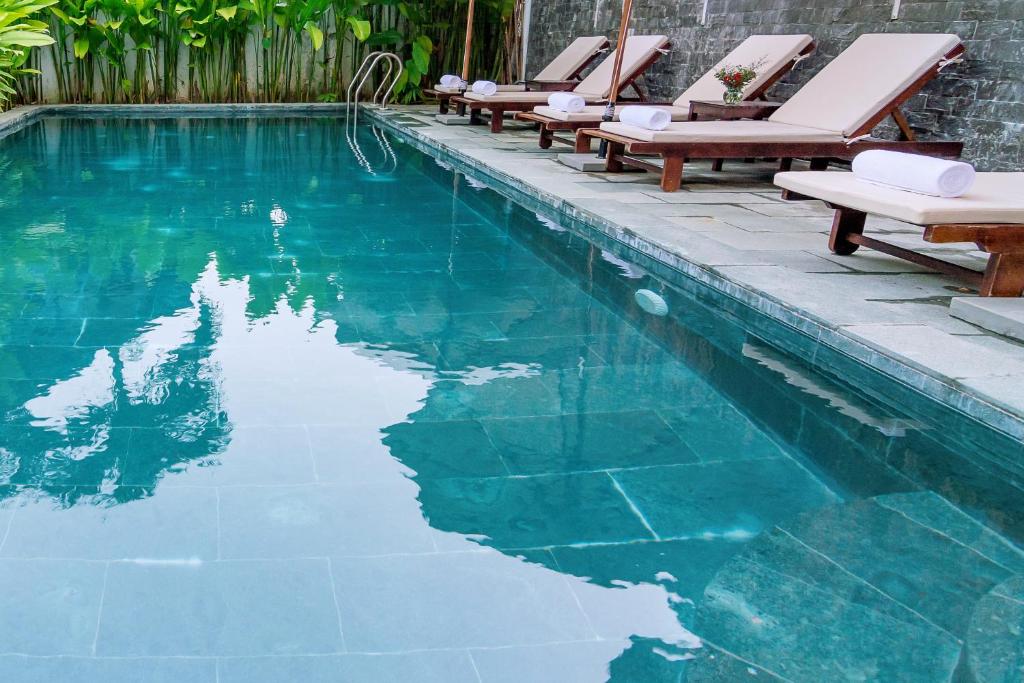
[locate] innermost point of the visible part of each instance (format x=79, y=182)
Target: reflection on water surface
x=275, y=419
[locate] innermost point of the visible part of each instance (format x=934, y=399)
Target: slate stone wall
x=980, y=101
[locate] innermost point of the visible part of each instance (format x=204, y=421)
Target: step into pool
x=281, y=400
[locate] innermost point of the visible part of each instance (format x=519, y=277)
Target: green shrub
x=19, y=33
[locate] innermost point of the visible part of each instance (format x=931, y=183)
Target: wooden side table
x=712, y=110
x=719, y=110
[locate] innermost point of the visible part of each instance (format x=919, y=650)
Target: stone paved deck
x=734, y=228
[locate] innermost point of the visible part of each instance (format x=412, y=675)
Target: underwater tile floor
x=269, y=415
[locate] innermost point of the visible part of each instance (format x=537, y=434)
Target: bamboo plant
x=257, y=50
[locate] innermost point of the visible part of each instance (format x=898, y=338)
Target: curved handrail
x=391, y=89
x=364, y=72
x=381, y=96
x=356, y=77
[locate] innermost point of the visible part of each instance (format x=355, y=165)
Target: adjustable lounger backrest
x=774, y=52
x=573, y=58
x=862, y=82
x=639, y=50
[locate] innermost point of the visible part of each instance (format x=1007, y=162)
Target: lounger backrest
x=638, y=50
x=573, y=58
x=774, y=53
x=865, y=77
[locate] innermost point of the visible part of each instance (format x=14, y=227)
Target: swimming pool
x=284, y=403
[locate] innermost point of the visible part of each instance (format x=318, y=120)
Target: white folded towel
x=650, y=118
x=914, y=172
x=450, y=81
x=566, y=101
x=485, y=87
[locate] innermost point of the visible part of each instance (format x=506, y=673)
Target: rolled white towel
x=650, y=118
x=566, y=101
x=485, y=87
x=914, y=172
x=450, y=81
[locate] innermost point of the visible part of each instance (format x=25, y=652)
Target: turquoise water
x=279, y=406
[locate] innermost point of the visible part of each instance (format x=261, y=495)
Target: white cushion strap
x=943, y=63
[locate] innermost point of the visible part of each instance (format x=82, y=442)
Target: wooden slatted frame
x=1003, y=242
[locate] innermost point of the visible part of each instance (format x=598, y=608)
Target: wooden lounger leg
x=785, y=164
x=672, y=173
x=460, y=108
x=846, y=222
x=497, y=120
x=614, y=161
x=442, y=105
x=1004, y=275
x=582, y=143
x=819, y=164
x=545, y=137
x=716, y=164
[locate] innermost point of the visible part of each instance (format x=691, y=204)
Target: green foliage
x=19, y=33
x=259, y=50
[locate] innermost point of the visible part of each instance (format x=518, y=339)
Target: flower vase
x=732, y=95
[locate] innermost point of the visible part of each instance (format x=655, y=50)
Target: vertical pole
x=527, y=12
x=620, y=50
x=469, y=40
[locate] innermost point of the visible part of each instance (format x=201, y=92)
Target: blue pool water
x=276, y=405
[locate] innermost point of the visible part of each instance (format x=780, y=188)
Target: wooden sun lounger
x=795, y=139
x=991, y=215
x=630, y=75
x=550, y=128
x=552, y=77
x=444, y=99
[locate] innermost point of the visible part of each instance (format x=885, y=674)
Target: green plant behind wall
x=262, y=50
x=19, y=34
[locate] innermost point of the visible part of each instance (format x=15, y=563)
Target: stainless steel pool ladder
x=382, y=95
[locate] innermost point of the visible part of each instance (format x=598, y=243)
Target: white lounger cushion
x=863, y=79
x=775, y=51
x=594, y=113
x=724, y=131
x=994, y=198
x=561, y=68
x=501, y=88
x=527, y=96
x=572, y=58
x=598, y=84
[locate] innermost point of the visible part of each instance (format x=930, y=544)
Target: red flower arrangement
x=735, y=79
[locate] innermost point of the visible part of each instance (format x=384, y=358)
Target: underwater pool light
x=652, y=302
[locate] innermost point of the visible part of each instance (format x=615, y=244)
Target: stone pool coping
x=949, y=361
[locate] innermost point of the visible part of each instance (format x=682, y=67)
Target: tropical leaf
x=360, y=28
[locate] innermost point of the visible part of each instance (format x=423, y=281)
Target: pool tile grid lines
x=896, y=323
x=311, y=513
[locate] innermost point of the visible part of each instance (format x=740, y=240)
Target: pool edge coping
x=941, y=388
